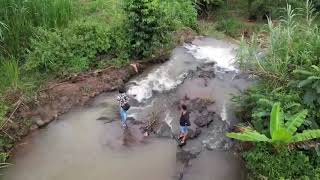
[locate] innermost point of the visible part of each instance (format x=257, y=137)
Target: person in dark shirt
x=184, y=123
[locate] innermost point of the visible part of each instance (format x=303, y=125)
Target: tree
x=146, y=26
x=280, y=132
x=205, y=6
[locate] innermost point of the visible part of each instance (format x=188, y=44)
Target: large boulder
x=204, y=119
x=194, y=133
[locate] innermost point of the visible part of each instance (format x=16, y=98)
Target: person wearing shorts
x=184, y=123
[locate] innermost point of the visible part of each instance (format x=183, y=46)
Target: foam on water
x=169, y=75
x=158, y=80
x=224, y=57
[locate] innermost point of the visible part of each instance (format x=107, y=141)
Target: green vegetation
x=265, y=163
x=280, y=132
x=287, y=64
x=20, y=18
x=42, y=40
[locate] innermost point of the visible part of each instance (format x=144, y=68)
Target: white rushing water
x=170, y=75
x=224, y=57
x=157, y=80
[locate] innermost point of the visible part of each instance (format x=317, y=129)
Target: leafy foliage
x=207, y=6
x=230, y=26
x=309, y=82
x=280, y=132
x=71, y=50
x=145, y=28
x=290, y=62
x=264, y=162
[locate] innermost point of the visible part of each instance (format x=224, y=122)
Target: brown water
x=79, y=147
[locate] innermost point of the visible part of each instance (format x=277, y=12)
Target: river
x=80, y=147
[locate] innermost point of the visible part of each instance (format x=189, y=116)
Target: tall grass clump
x=20, y=17
x=291, y=44
x=9, y=74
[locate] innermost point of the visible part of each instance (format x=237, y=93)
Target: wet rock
x=192, y=134
x=164, y=130
x=216, y=144
x=204, y=120
x=105, y=119
x=216, y=117
x=133, y=121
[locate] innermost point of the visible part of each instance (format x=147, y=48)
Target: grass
x=20, y=17
x=208, y=28
x=9, y=75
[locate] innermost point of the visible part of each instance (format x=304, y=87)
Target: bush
x=264, y=161
x=206, y=6
x=147, y=26
x=231, y=27
x=182, y=13
x=71, y=50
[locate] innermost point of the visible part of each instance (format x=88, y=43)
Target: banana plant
x=280, y=132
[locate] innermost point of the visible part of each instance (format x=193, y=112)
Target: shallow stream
x=80, y=147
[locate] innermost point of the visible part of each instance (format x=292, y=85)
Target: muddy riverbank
x=87, y=142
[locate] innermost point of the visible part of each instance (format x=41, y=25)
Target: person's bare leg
x=184, y=138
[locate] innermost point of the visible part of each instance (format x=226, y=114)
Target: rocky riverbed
x=88, y=143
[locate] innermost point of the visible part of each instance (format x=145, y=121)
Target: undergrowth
x=287, y=65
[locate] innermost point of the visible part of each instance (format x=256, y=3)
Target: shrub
x=71, y=50
x=264, y=162
x=182, y=13
x=148, y=27
x=230, y=26
x=206, y=6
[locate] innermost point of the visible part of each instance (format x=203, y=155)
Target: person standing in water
x=184, y=123
x=124, y=106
